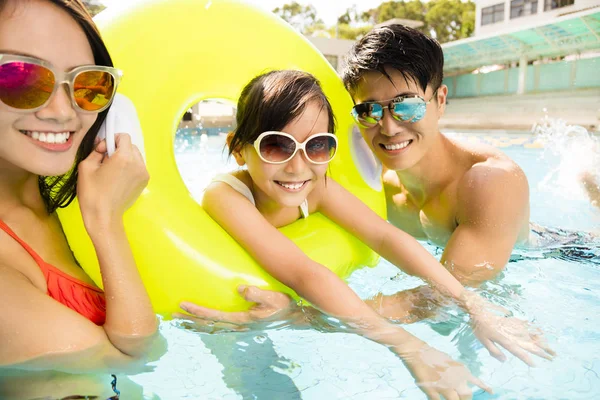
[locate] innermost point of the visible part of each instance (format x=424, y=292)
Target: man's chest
x=434, y=220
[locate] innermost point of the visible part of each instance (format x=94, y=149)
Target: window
x=552, y=4
x=492, y=14
x=521, y=8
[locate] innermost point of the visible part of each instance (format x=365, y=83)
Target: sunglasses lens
x=24, y=85
x=367, y=114
x=410, y=109
x=277, y=148
x=93, y=90
x=321, y=149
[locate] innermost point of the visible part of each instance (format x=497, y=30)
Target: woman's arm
x=107, y=187
x=37, y=332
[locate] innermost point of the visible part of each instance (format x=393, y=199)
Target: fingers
x=464, y=392
x=518, y=352
x=431, y=394
x=215, y=315
x=541, y=342
x=450, y=395
x=478, y=382
x=101, y=147
x=123, y=141
x=535, y=348
x=262, y=297
x=493, y=350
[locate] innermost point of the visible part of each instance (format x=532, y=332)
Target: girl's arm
x=281, y=258
x=405, y=252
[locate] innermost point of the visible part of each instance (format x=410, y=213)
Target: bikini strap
x=29, y=250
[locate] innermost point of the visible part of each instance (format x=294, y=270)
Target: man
x=472, y=200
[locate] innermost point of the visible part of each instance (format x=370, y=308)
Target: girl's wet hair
x=272, y=100
x=59, y=191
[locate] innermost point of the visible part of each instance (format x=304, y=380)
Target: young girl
x=56, y=84
x=285, y=138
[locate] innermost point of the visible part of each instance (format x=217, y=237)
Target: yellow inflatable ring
x=175, y=53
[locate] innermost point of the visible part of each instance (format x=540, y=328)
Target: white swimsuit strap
x=236, y=184
x=241, y=187
x=304, y=208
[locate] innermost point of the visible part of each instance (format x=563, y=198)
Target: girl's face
x=40, y=29
x=288, y=184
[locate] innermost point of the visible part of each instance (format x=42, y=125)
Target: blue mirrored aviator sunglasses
x=403, y=108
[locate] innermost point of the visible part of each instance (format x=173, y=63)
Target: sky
x=327, y=10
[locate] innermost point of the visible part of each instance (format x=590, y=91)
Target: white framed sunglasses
x=28, y=84
x=275, y=147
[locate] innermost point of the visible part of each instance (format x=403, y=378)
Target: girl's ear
x=237, y=154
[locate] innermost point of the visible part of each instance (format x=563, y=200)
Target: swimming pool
x=556, y=288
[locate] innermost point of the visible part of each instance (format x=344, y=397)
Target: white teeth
x=292, y=186
x=397, y=146
x=50, y=137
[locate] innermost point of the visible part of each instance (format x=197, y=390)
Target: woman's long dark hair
x=59, y=191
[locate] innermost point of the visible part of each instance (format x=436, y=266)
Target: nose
x=60, y=108
x=297, y=164
x=388, y=125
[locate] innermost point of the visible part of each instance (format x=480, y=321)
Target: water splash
x=578, y=153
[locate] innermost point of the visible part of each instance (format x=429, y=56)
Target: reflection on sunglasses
x=28, y=84
x=279, y=147
x=403, y=108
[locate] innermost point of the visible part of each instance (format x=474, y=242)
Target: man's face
x=398, y=144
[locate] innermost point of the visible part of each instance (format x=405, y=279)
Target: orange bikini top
x=85, y=299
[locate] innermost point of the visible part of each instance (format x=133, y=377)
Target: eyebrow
x=24, y=54
x=19, y=53
x=405, y=93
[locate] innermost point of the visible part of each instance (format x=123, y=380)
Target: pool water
x=556, y=288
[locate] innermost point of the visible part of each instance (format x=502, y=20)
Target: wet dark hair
x=59, y=191
x=272, y=100
x=416, y=56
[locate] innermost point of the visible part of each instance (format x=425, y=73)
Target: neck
x=19, y=189
x=432, y=173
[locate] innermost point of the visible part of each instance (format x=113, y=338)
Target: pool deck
x=515, y=113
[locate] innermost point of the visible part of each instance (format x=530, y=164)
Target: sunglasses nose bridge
x=298, y=162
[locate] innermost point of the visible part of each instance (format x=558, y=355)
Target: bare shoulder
x=490, y=171
x=492, y=185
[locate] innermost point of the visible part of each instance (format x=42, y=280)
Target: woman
x=56, y=84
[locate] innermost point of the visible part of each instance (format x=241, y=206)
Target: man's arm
x=492, y=211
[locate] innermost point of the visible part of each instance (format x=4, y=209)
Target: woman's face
x=40, y=29
x=289, y=184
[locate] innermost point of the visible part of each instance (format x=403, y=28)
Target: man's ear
x=237, y=154
x=442, y=95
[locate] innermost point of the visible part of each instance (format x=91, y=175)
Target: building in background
x=496, y=16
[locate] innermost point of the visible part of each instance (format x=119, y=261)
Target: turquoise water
x=556, y=288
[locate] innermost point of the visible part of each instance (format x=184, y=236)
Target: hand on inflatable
x=515, y=335
x=106, y=187
x=438, y=375
x=269, y=306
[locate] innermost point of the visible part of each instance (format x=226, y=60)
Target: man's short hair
x=416, y=56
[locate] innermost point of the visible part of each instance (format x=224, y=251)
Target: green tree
x=446, y=20
x=451, y=19
x=93, y=6
x=303, y=18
